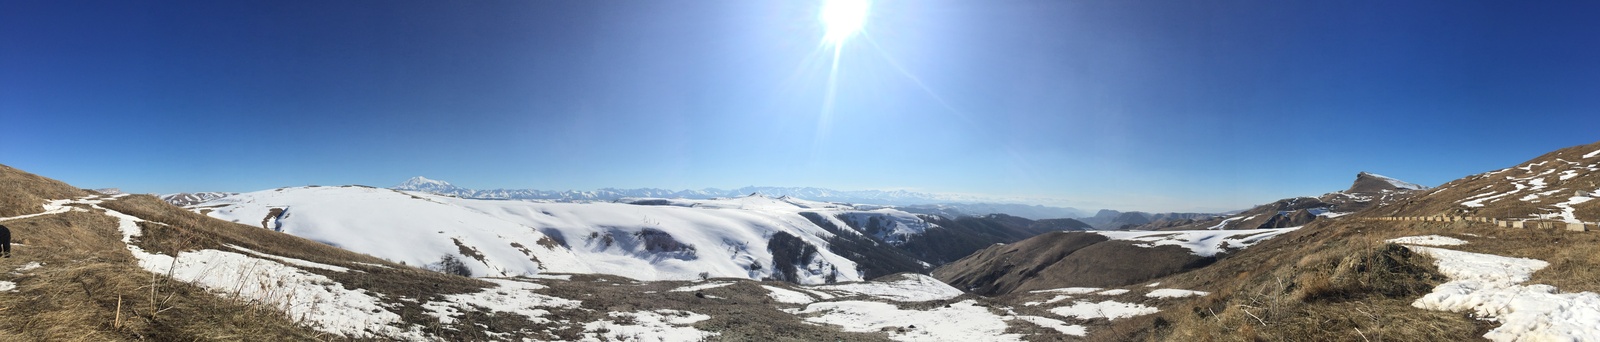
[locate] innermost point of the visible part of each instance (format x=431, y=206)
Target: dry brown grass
x=23, y=193
x=90, y=289
x=1338, y=280
x=740, y=312
x=1331, y=281
x=1447, y=198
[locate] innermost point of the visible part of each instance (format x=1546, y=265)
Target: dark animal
x=5, y=241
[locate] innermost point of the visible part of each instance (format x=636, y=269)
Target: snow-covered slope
x=1203, y=243
x=755, y=237
x=191, y=198
x=417, y=230
x=725, y=239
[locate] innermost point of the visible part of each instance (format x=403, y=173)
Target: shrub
x=449, y=264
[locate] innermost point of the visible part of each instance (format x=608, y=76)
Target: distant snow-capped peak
x=1396, y=182
x=420, y=183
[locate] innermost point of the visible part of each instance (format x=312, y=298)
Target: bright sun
x=842, y=19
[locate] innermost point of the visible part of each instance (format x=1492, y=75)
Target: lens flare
x=842, y=19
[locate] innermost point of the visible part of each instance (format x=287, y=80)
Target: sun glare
x=842, y=19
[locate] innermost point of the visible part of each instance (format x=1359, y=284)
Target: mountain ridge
x=918, y=201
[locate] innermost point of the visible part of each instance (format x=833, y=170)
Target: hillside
x=1366, y=191
x=754, y=236
x=1107, y=219
x=1558, y=186
x=137, y=268
x=1361, y=276
x=1034, y=212
x=1093, y=259
x=148, y=270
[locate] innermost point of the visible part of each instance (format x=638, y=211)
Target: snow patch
x=29, y=266
x=1174, y=293
x=1112, y=292
x=1567, y=213
x=1476, y=201
x=1397, y=183
x=786, y=296
x=658, y=325
x=1488, y=286
x=1069, y=290
x=961, y=321
x=6, y=286
x=291, y=261
x=1204, y=243
x=551, y=276
x=1224, y=223
x=706, y=286
x=1107, y=309
x=1050, y=301
x=911, y=287
x=1428, y=240
x=1330, y=214
x=511, y=296
x=1569, y=174
x=323, y=303
x=50, y=208
x=1058, y=325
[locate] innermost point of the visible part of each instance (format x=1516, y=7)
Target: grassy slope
x=1332, y=280
x=1337, y=280
x=21, y=193
x=91, y=288
x=1445, y=199
x=89, y=280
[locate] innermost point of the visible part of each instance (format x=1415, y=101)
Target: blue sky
x=1150, y=105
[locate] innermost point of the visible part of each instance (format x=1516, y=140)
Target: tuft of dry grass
x=1362, y=271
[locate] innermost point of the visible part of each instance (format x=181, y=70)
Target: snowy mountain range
x=957, y=204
